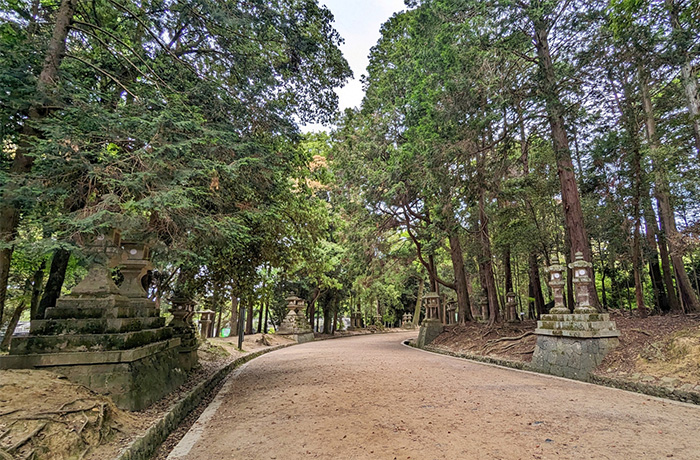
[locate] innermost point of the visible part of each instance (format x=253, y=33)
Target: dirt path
x=373, y=398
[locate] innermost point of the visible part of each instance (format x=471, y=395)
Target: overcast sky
x=358, y=22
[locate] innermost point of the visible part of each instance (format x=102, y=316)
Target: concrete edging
x=673, y=394
x=143, y=447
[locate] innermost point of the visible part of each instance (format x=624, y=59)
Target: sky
x=358, y=22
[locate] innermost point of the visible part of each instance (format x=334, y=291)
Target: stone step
x=94, y=325
x=87, y=311
x=87, y=342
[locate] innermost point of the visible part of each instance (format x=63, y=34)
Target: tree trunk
x=233, y=321
x=460, y=279
x=419, y=301
x=249, y=316
x=666, y=300
x=508, y=275
x=571, y=202
x=12, y=325
x=23, y=160
x=663, y=195
x=260, y=318
x=267, y=311
x=37, y=287
x=335, y=320
x=536, y=286
x=57, y=275
x=326, y=319
x=487, y=262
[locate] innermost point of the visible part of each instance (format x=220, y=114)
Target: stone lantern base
x=429, y=330
x=296, y=327
x=573, y=346
x=107, y=344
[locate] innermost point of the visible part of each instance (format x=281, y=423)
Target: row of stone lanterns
x=582, y=285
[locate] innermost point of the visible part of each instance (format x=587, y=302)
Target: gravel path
x=372, y=398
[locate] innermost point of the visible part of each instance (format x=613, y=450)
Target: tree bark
x=690, y=302
x=457, y=257
x=536, y=286
x=54, y=284
x=233, y=321
x=23, y=160
x=419, y=301
x=487, y=263
x=12, y=325
x=249, y=316
x=37, y=287
x=571, y=201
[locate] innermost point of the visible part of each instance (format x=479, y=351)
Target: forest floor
x=657, y=350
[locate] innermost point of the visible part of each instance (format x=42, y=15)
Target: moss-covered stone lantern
x=582, y=284
x=557, y=283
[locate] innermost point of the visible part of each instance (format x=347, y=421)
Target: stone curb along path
x=674, y=394
x=143, y=447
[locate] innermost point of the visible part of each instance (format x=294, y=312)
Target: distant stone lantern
x=451, y=310
x=207, y=322
x=557, y=283
x=582, y=284
x=511, y=304
x=432, y=305
x=295, y=325
x=295, y=303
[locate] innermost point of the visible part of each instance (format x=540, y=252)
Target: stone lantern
x=511, y=304
x=207, y=322
x=450, y=316
x=104, y=249
x=557, y=283
x=432, y=305
x=582, y=284
x=431, y=326
x=295, y=324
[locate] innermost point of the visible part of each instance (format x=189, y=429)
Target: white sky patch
x=358, y=22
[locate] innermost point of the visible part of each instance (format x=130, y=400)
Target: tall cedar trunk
x=573, y=213
x=335, y=320
x=432, y=274
x=326, y=319
x=249, y=316
x=260, y=318
x=688, y=296
x=218, y=308
x=460, y=279
x=569, y=300
x=12, y=325
x=508, y=275
x=664, y=292
x=37, y=287
x=487, y=263
x=311, y=310
x=683, y=41
x=419, y=301
x=233, y=321
x=267, y=311
x=23, y=160
x=629, y=117
x=536, y=286
x=16, y=315
x=57, y=275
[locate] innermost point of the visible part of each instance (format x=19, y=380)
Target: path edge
x=673, y=394
x=143, y=447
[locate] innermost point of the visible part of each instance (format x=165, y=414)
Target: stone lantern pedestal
x=573, y=345
x=295, y=326
x=110, y=339
x=206, y=322
x=431, y=326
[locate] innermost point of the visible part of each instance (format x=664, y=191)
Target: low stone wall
x=143, y=447
x=573, y=358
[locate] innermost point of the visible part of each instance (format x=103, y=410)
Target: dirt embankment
x=657, y=350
